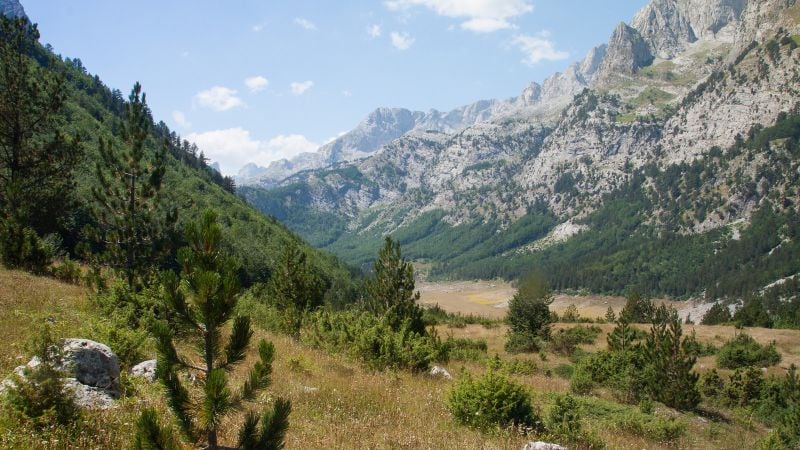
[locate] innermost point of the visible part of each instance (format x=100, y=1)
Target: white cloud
x=256, y=83
x=184, y=54
x=485, y=25
x=347, y=93
x=180, y=119
x=374, y=31
x=482, y=16
x=305, y=23
x=218, y=98
x=401, y=41
x=234, y=147
x=257, y=28
x=538, y=48
x=300, y=87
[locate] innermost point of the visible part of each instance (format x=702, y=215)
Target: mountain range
x=499, y=187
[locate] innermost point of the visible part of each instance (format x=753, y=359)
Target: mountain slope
x=687, y=79
x=94, y=111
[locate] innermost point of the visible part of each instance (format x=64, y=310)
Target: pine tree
x=295, y=288
x=391, y=292
x=36, y=159
x=637, y=309
x=623, y=336
x=610, y=316
x=716, y=315
x=202, y=302
x=529, y=318
x=669, y=374
x=134, y=225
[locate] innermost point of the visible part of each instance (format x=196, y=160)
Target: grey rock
x=440, y=372
x=91, y=369
x=540, y=445
x=91, y=363
x=90, y=397
x=145, y=369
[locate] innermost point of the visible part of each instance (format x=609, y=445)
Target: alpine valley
x=666, y=161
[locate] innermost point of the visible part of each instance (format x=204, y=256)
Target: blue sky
x=254, y=81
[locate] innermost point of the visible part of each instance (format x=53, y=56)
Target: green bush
x=39, y=394
x=744, y=387
x=566, y=341
x=581, y=382
x=711, y=385
x=68, y=271
x=490, y=401
x=523, y=343
x=564, y=423
x=513, y=366
x=463, y=349
x=374, y=341
x=564, y=418
x=743, y=351
x=564, y=371
x=651, y=427
x=621, y=371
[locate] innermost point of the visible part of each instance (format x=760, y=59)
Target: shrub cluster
x=565, y=341
x=491, y=401
x=743, y=351
x=373, y=341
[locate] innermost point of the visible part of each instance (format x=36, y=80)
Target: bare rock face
x=709, y=17
x=665, y=28
x=627, y=52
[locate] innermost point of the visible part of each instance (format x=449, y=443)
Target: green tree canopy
x=529, y=317
x=134, y=226
x=36, y=158
x=391, y=292
x=202, y=302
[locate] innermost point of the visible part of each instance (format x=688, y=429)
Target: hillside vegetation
x=338, y=403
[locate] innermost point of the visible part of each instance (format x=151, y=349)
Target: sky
x=256, y=81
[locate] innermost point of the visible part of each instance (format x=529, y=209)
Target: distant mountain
x=636, y=150
x=387, y=124
x=12, y=8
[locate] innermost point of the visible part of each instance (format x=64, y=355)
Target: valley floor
x=490, y=298
x=339, y=405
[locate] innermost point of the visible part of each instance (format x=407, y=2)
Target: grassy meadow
x=338, y=404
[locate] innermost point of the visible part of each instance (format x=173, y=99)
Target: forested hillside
x=93, y=111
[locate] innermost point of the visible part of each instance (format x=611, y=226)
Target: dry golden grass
x=339, y=405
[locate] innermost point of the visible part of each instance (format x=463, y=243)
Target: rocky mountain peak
x=665, y=26
x=12, y=8
x=531, y=95
x=627, y=52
